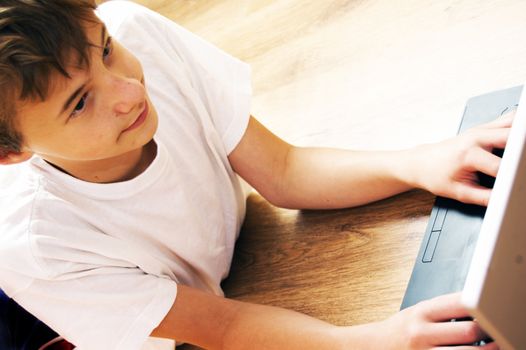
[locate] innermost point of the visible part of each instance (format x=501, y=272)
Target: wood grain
x=329, y=264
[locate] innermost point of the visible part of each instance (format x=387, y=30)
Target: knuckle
x=415, y=335
x=461, y=194
x=472, y=135
x=465, y=154
x=469, y=156
x=472, y=332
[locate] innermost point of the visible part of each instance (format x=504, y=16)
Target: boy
x=121, y=220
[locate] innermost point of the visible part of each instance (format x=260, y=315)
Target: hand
x=449, y=168
x=427, y=325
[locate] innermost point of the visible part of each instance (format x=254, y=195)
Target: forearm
x=309, y=178
x=317, y=178
x=265, y=327
x=213, y=322
x=321, y=178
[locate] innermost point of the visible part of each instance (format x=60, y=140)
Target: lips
x=140, y=119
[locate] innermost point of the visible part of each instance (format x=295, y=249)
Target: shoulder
x=113, y=10
x=37, y=224
x=116, y=15
x=19, y=188
x=18, y=193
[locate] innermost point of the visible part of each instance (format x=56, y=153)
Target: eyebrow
x=77, y=92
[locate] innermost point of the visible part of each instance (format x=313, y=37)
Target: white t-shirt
x=100, y=263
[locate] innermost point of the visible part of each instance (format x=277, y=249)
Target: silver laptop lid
x=495, y=289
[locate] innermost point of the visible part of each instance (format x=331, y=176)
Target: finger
x=444, y=308
x=509, y=114
x=492, y=138
x=504, y=121
x=481, y=160
x=455, y=333
x=473, y=194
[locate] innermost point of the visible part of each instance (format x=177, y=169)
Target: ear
x=15, y=157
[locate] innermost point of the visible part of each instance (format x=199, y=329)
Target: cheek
x=105, y=135
x=94, y=141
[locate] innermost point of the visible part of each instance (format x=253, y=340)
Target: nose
x=128, y=94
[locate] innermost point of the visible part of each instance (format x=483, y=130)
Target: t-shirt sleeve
x=222, y=81
x=131, y=304
x=99, y=302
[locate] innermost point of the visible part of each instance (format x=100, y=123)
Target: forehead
x=59, y=85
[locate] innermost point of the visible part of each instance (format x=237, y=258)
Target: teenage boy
x=130, y=140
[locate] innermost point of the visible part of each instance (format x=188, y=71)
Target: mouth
x=140, y=119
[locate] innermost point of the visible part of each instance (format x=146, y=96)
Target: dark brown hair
x=37, y=40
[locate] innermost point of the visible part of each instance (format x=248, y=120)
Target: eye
x=108, y=48
x=79, y=107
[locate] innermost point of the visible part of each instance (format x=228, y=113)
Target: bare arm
x=213, y=322
x=296, y=177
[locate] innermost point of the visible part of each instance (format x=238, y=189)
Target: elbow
x=284, y=199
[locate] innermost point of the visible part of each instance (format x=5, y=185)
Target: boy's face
x=101, y=117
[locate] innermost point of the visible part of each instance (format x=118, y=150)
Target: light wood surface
x=361, y=74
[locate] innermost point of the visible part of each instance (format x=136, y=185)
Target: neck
x=116, y=169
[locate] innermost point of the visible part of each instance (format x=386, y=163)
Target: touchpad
x=458, y=234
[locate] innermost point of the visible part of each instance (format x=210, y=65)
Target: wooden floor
x=342, y=72
x=364, y=74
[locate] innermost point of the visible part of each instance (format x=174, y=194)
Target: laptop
x=456, y=230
